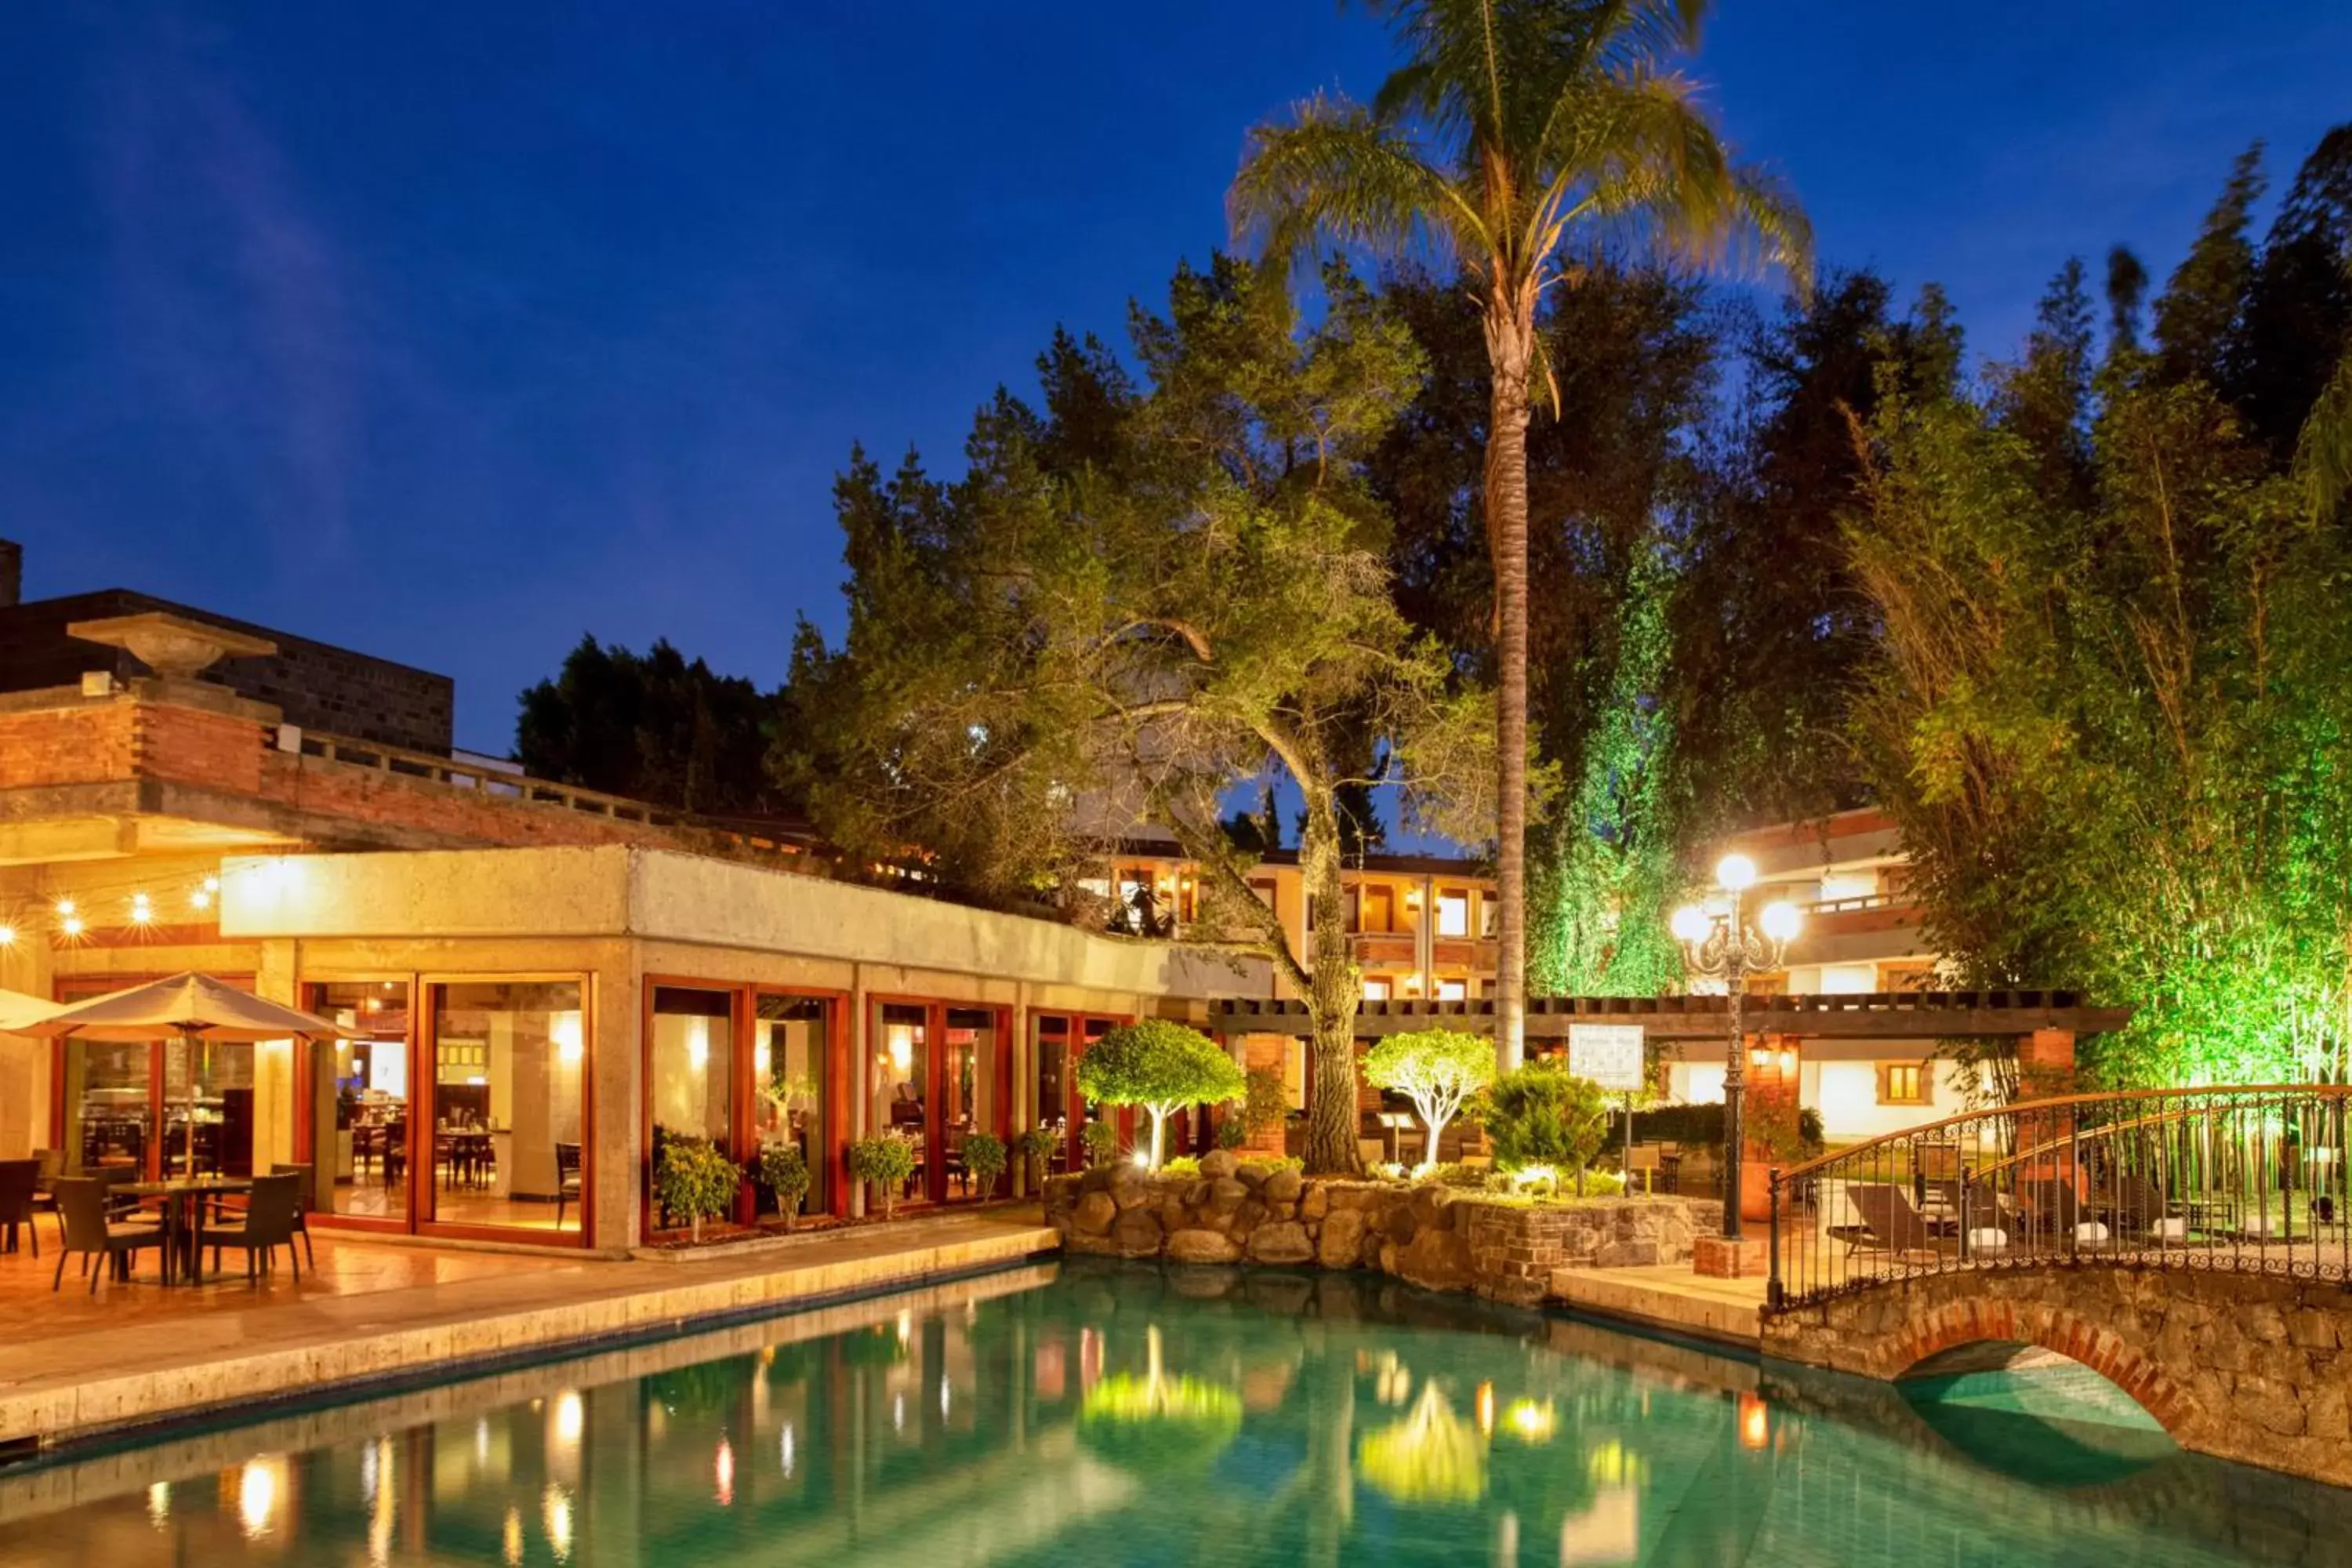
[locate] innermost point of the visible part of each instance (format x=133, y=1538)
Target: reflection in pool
x=1122, y=1415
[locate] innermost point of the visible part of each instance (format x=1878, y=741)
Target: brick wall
x=67, y=746
x=316, y=684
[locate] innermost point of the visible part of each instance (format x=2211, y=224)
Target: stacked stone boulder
x=1439, y=1238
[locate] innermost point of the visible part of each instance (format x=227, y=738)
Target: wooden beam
x=1900, y=1015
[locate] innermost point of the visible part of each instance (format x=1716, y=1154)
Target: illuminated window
x=1454, y=912
x=1376, y=988
x=1904, y=1083
x=1452, y=990
x=1486, y=912
x=1378, y=910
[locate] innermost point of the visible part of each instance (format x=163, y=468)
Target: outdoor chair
x=2059, y=1212
x=395, y=1152
x=17, y=1180
x=567, y=1179
x=1889, y=1223
x=53, y=1165
x=2141, y=1207
x=1988, y=1222
x=88, y=1229
x=302, y=1208
x=270, y=1217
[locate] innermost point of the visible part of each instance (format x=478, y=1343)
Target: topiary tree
x=695, y=1179
x=885, y=1164
x=1161, y=1065
x=984, y=1156
x=1543, y=1114
x=1437, y=1069
x=1036, y=1148
x=785, y=1169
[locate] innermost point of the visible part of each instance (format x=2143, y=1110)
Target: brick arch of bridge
x=2110, y=1319
x=1952, y=1324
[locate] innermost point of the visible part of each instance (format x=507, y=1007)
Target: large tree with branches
x=1147, y=592
x=1514, y=131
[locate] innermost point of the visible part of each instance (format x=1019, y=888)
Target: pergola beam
x=1878, y=1015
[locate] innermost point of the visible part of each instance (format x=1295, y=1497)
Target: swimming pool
x=1090, y=1415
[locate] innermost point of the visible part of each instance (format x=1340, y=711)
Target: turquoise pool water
x=1079, y=1415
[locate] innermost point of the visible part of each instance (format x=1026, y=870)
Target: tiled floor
x=30, y=1312
x=70, y=1363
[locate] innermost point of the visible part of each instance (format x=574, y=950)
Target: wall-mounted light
x=7, y=935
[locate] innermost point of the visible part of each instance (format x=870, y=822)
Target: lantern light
x=1780, y=921
x=1736, y=873
x=1690, y=923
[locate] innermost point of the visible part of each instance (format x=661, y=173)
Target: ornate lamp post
x=1727, y=949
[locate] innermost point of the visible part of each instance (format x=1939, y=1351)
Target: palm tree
x=1514, y=127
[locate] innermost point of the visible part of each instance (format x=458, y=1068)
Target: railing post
x=1772, y=1276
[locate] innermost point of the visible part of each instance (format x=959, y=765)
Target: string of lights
x=134, y=902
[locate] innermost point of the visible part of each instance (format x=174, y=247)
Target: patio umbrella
x=18, y=1010
x=196, y=1007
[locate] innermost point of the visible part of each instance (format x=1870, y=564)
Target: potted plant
x=696, y=1180
x=882, y=1163
x=785, y=1171
x=983, y=1157
x=1162, y=1066
x=1036, y=1148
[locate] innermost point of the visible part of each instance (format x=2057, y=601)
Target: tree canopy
x=1162, y=1066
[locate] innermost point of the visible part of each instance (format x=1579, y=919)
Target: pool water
x=1096, y=1414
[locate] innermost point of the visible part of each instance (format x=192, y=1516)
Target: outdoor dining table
x=183, y=1220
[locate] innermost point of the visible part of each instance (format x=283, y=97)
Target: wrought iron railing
x=2249, y=1179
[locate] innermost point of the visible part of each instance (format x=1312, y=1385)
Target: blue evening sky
x=449, y=331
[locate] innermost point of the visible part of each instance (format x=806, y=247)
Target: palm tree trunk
x=1510, y=355
x=1335, y=988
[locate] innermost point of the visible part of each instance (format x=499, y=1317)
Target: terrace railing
x=2248, y=1179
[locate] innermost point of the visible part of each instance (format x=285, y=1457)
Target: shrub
x=1437, y=1069
x=984, y=1156
x=1161, y=1065
x=785, y=1171
x=1036, y=1148
x=1232, y=1131
x=1182, y=1165
x=695, y=1179
x=884, y=1163
x=1101, y=1139
x=1544, y=1115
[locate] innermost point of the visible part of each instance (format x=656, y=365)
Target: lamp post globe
x=1730, y=951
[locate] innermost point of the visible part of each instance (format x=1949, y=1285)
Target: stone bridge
x=2245, y=1366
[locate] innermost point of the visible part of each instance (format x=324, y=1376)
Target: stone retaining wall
x=1440, y=1238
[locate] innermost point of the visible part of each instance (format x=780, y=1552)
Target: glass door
x=497, y=1139
x=690, y=1080
x=108, y=1090
x=208, y=1108
x=899, y=1078
x=1050, y=1033
x=358, y=1101
x=792, y=1055
x=966, y=1097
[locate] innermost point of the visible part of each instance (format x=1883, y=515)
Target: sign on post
x=1607, y=1054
